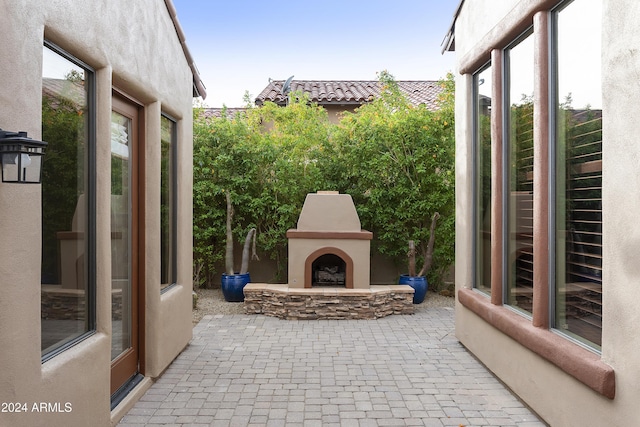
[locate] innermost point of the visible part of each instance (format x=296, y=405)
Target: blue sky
x=239, y=44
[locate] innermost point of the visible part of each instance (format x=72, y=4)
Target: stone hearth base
x=327, y=303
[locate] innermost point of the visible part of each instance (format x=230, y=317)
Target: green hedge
x=396, y=160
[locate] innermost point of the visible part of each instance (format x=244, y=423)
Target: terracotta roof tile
x=217, y=112
x=341, y=92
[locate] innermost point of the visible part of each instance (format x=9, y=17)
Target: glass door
x=124, y=268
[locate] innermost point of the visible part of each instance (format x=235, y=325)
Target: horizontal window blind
x=584, y=224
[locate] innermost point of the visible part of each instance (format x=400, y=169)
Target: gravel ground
x=211, y=301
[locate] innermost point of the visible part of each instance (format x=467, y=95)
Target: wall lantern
x=21, y=157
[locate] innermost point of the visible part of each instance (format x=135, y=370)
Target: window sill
x=167, y=288
x=580, y=363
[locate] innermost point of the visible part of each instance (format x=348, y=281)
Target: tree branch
x=412, y=258
x=244, y=268
x=228, y=260
x=428, y=256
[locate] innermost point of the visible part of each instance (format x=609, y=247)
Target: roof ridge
x=348, y=80
x=351, y=91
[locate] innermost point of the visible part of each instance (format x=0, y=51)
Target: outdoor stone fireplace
x=329, y=245
x=329, y=269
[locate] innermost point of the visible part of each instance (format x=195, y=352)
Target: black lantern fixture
x=21, y=157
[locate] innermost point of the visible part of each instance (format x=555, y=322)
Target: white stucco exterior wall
x=621, y=202
x=132, y=46
x=557, y=397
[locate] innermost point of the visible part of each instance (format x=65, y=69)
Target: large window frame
x=169, y=213
x=536, y=332
x=517, y=199
x=89, y=208
x=575, y=192
x=482, y=104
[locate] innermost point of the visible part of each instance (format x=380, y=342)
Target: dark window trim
x=91, y=203
x=475, y=181
x=505, y=203
x=553, y=102
x=553, y=96
x=173, y=168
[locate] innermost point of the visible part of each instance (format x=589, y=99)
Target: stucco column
x=541, y=173
x=497, y=174
x=20, y=258
x=464, y=183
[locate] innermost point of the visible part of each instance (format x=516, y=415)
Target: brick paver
x=261, y=371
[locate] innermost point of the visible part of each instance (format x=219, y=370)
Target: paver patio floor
x=242, y=370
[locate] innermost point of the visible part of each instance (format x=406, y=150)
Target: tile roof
x=344, y=92
x=217, y=112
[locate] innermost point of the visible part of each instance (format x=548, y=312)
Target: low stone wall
x=327, y=303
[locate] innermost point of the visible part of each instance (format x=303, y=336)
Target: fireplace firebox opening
x=329, y=270
x=325, y=260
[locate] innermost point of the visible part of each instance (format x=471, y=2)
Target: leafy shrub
x=400, y=171
x=396, y=160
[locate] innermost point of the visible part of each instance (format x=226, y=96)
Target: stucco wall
x=621, y=203
x=469, y=28
x=335, y=112
x=134, y=47
x=557, y=397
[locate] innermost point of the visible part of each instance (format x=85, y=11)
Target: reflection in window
x=578, y=302
x=65, y=306
x=121, y=232
x=482, y=145
x=519, y=71
x=167, y=203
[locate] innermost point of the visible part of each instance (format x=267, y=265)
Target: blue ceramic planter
x=419, y=285
x=233, y=286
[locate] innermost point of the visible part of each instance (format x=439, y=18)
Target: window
x=574, y=190
x=519, y=121
x=482, y=145
x=578, y=172
x=547, y=100
x=67, y=303
x=168, y=202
